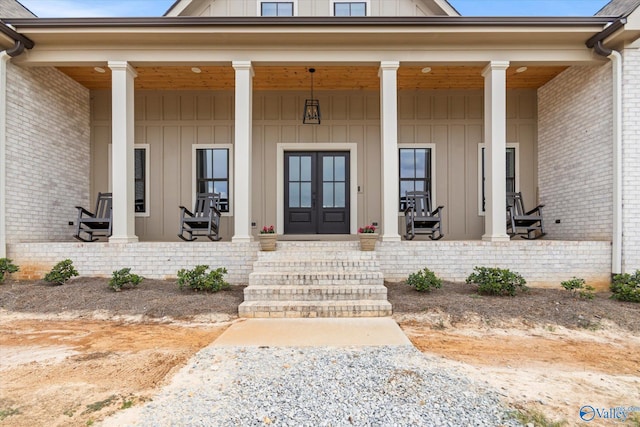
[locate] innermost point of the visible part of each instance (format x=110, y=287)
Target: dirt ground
x=73, y=354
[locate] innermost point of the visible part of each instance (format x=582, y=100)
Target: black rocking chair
x=203, y=221
x=96, y=223
x=420, y=219
x=520, y=221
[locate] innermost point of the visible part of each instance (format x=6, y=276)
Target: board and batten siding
x=172, y=121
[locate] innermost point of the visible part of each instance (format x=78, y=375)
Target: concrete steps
x=316, y=279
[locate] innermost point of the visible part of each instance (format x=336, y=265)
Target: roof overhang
x=410, y=39
x=626, y=31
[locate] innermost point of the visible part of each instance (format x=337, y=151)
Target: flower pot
x=368, y=241
x=268, y=241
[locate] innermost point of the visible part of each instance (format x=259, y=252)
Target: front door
x=316, y=192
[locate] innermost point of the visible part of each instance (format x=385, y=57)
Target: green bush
x=199, y=280
x=6, y=266
x=424, y=280
x=61, y=272
x=497, y=281
x=124, y=279
x=578, y=288
x=626, y=287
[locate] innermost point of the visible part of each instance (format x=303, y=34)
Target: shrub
x=6, y=266
x=124, y=279
x=61, y=272
x=497, y=281
x=424, y=280
x=578, y=288
x=199, y=280
x=626, y=287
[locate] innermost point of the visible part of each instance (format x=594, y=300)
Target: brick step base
x=315, y=293
x=348, y=308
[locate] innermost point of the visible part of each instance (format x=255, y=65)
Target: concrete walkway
x=316, y=332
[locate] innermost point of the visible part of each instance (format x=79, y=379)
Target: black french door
x=316, y=193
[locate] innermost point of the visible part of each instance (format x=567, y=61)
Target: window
x=350, y=8
x=275, y=8
x=415, y=171
x=511, y=173
x=212, y=173
x=140, y=176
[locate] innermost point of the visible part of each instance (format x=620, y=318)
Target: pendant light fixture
x=311, y=113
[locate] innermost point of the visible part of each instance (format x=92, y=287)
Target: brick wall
x=631, y=161
x=575, y=153
x=13, y=9
x=157, y=260
x=47, y=153
x=543, y=263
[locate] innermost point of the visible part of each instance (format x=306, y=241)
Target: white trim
x=482, y=145
x=352, y=148
x=432, y=147
x=229, y=148
x=259, y=5
x=367, y=5
x=147, y=163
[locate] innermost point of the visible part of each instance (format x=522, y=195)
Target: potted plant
x=268, y=238
x=368, y=237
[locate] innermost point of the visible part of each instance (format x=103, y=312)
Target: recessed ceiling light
x=100, y=69
x=196, y=70
x=521, y=69
x=426, y=70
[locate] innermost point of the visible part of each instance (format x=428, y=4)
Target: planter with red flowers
x=268, y=238
x=368, y=237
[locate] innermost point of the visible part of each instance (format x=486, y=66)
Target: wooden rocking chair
x=520, y=221
x=96, y=223
x=203, y=221
x=420, y=219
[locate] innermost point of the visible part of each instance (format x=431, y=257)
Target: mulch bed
x=457, y=302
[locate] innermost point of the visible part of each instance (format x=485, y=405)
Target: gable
x=236, y=8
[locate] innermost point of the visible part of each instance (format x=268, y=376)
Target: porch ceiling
x=325, y=78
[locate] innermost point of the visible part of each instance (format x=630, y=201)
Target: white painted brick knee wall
x=575, y=153
x=541, y=262
x=48, y=142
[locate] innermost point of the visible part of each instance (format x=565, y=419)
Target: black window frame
x=202, y=183
x=428, y=173
x=350, y=4
x=510, y=178
x=277, y=5
x=140, y=180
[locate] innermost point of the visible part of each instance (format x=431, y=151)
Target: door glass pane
x=339, y=196
x=294, y=168
x=340, y=169
x=294, y=195
x=327, y=168
x=305, y=195
x=407, y=169
x=305, y=168
x=327, y=195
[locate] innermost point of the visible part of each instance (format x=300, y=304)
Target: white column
x=389, y=144
x=122, y=139
x=242, y=152
x=4, y=58
x=495, y=138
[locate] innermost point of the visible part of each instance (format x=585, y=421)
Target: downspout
x=616, y=62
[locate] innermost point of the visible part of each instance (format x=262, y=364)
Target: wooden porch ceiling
x=325, y=78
